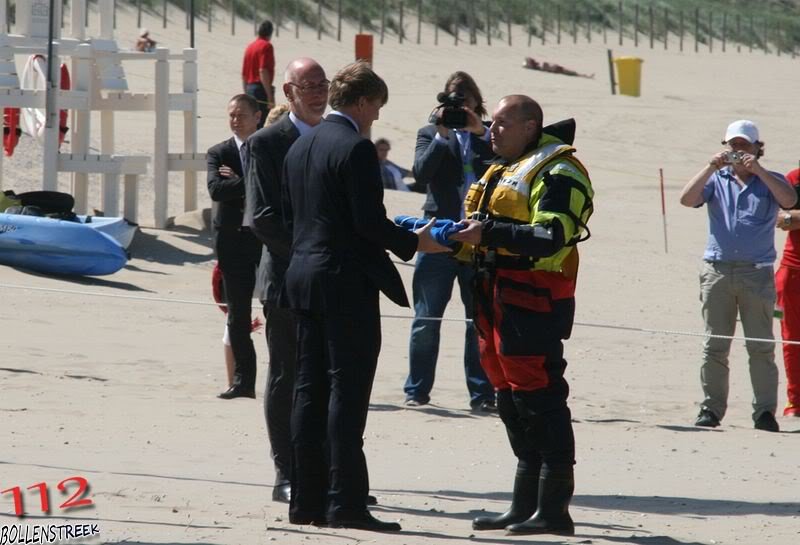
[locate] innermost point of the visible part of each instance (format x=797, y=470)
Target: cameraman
x=447, y=161
x=743, y=200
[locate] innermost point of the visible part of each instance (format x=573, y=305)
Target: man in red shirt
x=787, y=285
x=258, y=70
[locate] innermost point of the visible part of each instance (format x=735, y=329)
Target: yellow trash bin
x=629, y=74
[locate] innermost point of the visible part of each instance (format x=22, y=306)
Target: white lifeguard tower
x=99, y=84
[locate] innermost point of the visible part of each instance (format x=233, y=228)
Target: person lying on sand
x=533, y=64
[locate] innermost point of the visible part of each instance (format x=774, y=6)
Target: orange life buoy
x=11, y=130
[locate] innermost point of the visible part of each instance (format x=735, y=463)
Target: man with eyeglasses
x=306, y=89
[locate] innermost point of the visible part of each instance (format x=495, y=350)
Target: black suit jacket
x=438, y=167
x=263, y=182
x=227, y=194
x=333, y=200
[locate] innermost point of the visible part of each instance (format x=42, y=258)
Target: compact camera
x=453, y=114
x=731, y=157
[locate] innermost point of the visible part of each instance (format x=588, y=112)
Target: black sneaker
x=707, y=419
x=767, y=422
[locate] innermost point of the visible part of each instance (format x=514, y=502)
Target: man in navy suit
x=447, y=161
x=333, y=200
x=306, y=89
x=238, y=250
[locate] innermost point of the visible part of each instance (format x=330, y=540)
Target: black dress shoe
x=372, y=500
x=365, y=521
x=282, y=492
x=485, y=406
x=767, y=422
x=706, y=419
x=238, y=391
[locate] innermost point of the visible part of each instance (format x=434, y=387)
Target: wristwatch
x=787, y=219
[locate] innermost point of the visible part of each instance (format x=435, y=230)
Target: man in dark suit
x=238, y=250
x=333, y=199
x=447, y=161
x=306, y=89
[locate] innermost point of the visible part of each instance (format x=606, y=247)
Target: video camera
x=453, y=114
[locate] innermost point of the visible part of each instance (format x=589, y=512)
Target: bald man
x=525, y=217
x=306, y=89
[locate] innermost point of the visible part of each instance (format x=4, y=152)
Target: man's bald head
x=524, y=107
x=516, y=124
x=306, y=89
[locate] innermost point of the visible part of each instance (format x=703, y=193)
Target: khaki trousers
x=728, y=289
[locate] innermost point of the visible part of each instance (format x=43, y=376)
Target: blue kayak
x=95, y=246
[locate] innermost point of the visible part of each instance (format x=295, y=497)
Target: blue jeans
x=432, y=287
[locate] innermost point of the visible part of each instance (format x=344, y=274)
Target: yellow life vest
x=519, y=187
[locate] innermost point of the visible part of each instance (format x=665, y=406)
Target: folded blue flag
x=441, y=230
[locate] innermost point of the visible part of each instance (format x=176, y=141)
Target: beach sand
x=114, y=379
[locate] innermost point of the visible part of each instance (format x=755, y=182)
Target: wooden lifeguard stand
x=99, y=84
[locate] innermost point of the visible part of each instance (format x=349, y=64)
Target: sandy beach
x=114, y=378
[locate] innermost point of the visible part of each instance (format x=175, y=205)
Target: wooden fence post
x=766, y=34
x=473, y=36
x=681, y=30
x=401, y=30
x=710, y=30
x=588, y=25
x=419, y=21
x=611, y=72
x=436, y=23
x=163, y=14
x=724, y=30
x=558, y=23
x=652, y=26
x=636, y=25
x=544, y=26
x=210, y=14
x=383, y=19
x=738, y=34
x=508, y=26
x=138, y=12
x=574, y=24
x=666, y=27
x=339, y=22
x=488, y=23
x=750, y=35
x=621, y=20
x=530, y=22
x=319, y=19
x=696, y=30
x=296, y=19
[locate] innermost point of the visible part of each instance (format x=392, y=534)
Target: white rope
x=405, y=317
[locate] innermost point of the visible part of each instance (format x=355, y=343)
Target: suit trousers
x=281, y=333
x=336, y=362
x=728, y=288
x=239, y=253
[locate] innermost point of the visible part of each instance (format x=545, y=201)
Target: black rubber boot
x=552, y=516
x=526, y=481
x=523, y=502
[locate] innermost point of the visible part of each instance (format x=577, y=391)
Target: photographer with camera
x=451, y=153
x=737, y=277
